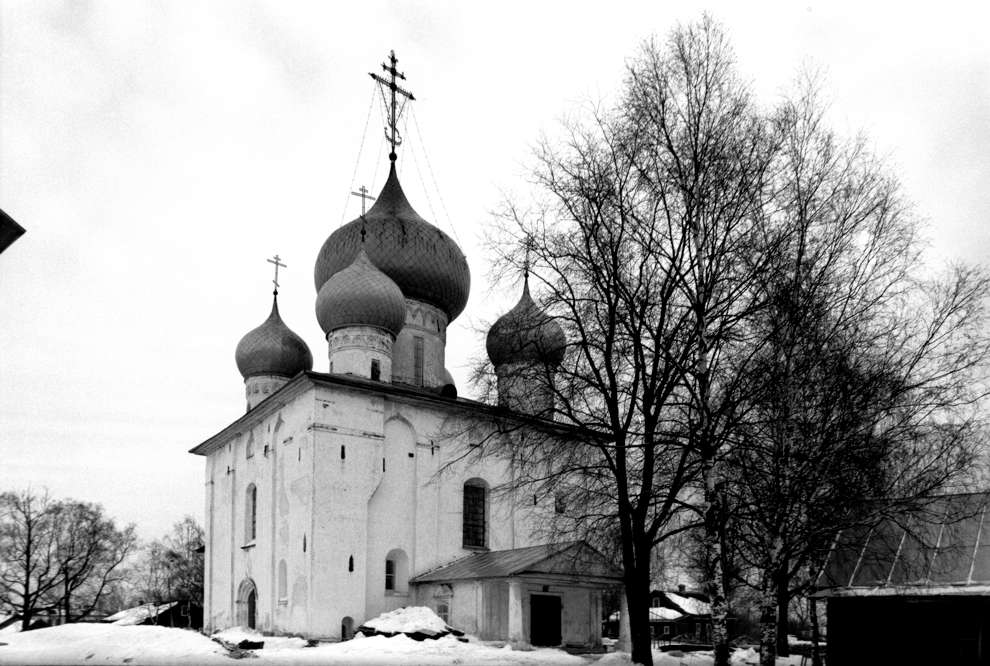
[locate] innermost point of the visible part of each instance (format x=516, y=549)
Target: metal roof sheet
x=575, y=558
x=946, y=544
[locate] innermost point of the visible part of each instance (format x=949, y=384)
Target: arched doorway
x=247, y=604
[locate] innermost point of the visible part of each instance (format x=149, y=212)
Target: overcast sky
x=158, y=152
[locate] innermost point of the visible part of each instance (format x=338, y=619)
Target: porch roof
x=575, y=558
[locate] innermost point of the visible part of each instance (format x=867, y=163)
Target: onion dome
x=272, y=349
x=526, y=334
x=361, y=295
x=424, y=262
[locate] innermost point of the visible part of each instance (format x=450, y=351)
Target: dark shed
x=912, y=590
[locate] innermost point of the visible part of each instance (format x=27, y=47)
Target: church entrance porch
x=544, y=620
x=546, y=595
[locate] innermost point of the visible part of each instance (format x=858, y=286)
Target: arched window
x=251, y=513
x=474, y=519
x=397, y=571
x=249, y=447
x=283, y=582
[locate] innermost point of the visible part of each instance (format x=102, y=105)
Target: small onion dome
x=425, y=262
x=526, y=333
x=272, y=349
x=361, y=295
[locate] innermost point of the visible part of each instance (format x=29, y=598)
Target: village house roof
x=943, y=550
x=575, y=558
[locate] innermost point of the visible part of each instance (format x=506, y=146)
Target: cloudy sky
x=158, y=152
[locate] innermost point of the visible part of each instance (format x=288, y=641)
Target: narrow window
x=304, y=543
x=350, y=563
x=473, y=526
x=559, y=503
x=418, y=361
x=283, y=581
x=251, y=513
x=343, y=452
x=443, y=611
x=376, y=370
x=383, y=464
x=389, y=574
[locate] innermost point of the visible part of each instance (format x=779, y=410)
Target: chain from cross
x=391, y=132
x=277, y=260
x=365, y=197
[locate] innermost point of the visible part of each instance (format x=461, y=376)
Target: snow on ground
x=746, y=657
x=110, y=643
x=238, y=634
x=114, y=644
x=408, y=620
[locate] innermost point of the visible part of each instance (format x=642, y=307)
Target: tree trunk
x=783, y=603
x=816, y=653
x=716, y=586
x=638, y=602
x=768, y=623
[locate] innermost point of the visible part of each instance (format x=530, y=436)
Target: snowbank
x=408, y=620
x=110, y=643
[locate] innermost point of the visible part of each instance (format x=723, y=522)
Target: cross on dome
x=277, y=260
x=392, y=108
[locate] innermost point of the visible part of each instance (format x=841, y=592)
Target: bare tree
x=29, y=572
x=57, y=556
x=642, y=244
x=171, y=568
x=90, y=551
x=865, y=390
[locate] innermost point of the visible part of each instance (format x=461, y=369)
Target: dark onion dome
x=361, y=295
x=425, y=262
x=526, y=334
x=272, y=349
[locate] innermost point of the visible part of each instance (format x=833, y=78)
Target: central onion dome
x=361, y=295
x=425, y=263
x=272, y=349
x=526, y=334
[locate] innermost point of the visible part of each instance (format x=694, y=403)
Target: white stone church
x=342, y=494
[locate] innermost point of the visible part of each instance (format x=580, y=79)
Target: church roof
x=575, y=558
x=272, y=349
x=425, y=262
x=361, y=295
x=525, y=334
x=433, y=398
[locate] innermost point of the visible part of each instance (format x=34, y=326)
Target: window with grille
x=389, y=574
x=474, y=515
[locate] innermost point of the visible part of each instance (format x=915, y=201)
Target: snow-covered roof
x=656, y=615
x=138, y=614
x=689, y=605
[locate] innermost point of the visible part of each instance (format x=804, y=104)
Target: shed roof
x=943, y=549
x=575, y=558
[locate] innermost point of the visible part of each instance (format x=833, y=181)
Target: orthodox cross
x=277, y=260
x=393, y=110
x=365, y=197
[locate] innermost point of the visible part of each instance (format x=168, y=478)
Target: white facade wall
x=322, y=482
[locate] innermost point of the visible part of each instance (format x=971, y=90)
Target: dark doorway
x=544, y=620
x=252, y=604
